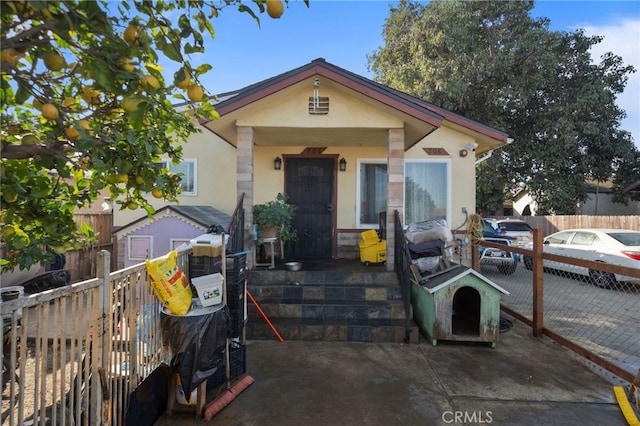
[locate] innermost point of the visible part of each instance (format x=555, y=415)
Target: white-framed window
x=372, y=191
x=427, y=190
x=139, y=247
x=187, y=169
x=177, y=242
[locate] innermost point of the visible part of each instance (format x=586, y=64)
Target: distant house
x=349, y=149
x=172, y=226
x=598, y=203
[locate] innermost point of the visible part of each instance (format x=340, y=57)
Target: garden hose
x=474, y=229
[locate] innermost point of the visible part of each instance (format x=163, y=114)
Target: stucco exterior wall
x=290, y=108
x=216, y=177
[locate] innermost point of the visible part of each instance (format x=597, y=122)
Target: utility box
x=372, y=248
x=459, y=304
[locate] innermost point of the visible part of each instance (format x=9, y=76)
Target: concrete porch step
x=376, y=330
x=343, y=305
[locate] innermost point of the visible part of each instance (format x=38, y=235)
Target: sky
x=345, y=32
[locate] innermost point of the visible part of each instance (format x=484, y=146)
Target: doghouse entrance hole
x=465, y=319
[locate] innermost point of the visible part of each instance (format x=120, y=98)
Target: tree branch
x=24, y=152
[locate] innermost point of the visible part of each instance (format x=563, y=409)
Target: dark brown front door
x=309, y=183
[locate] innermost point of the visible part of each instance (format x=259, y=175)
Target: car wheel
x=528, y=262
x=507, y=268
x=602, y=279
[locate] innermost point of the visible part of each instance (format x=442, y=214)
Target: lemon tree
x=86, y=106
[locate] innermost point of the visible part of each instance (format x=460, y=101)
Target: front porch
x=328, y=299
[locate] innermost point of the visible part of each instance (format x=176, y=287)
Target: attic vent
x=318, y=105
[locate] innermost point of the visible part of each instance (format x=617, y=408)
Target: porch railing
x=402, y=260
x=236, y=228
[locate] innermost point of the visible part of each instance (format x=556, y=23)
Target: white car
x=611, y=246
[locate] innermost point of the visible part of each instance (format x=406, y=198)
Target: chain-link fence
x=591, y=307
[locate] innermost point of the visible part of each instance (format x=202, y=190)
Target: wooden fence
x=551, y=224
x=82, y=263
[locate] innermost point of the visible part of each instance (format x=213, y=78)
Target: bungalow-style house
x=342, y=147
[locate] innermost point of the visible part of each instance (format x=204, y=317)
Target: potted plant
x=274, y=219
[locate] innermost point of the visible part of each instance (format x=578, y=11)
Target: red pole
x=264, y=316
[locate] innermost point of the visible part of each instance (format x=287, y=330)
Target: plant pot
x=268, y=232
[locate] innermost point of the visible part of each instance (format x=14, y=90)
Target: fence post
x=538, y=293
x=100, y=393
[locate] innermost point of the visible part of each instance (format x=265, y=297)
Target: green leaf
x=22, y=95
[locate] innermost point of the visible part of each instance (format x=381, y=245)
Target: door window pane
x=426, y=191
x=373, y=192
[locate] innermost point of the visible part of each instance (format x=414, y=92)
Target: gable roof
x=452, y=276
x=204, y=216
x=420, y=117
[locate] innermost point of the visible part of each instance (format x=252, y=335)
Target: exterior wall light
x=343, y=165
x=277, y=163
x=463, y=153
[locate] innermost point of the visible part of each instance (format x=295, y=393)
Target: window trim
x=168, y=164
x=129, y=248
x=359, y=162
x=448, y=163
x=172, y=242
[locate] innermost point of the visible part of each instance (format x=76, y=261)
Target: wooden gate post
x=100, y=393
x=538, y=293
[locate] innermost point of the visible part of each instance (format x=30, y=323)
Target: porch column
x=244, y=177
x=395, y=188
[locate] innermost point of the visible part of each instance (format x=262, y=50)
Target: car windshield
x=626, y=238
x=486, y=227
x=515, y=226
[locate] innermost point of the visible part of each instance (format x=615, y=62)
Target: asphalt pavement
x=523, y=381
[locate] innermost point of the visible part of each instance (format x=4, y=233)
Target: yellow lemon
x=275, y=8
x=195, y=93
x=54, y=61
x=150, y=80
x=72, y=133
x=90, y=95
x=130, y=33
x=122, y=178
x=50, y=111
x=10, y=56
x=130, y=103
x=126, y=64
x=157, y=192
x=8, y=230
x=184, y=83
x=139, y=180
x=132, y=205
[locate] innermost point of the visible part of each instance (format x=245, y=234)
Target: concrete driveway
x=523, y=381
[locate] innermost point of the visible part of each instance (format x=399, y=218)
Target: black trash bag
x=196, y=344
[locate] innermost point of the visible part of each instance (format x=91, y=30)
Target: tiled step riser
x=262, y=277
x=322, y=293
x=321, y=311
x=259, y=330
